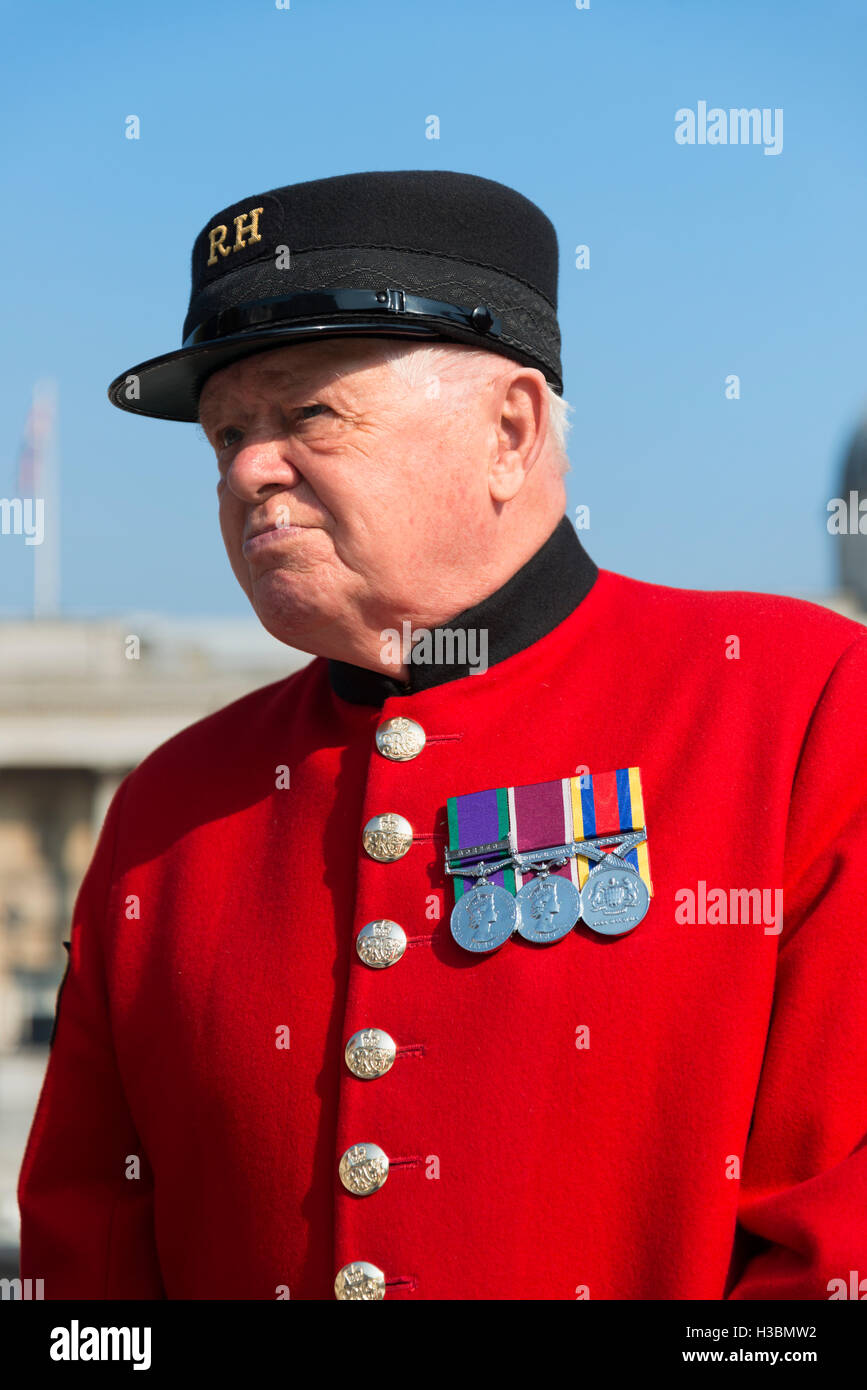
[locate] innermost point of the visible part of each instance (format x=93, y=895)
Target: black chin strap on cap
x=370, y=310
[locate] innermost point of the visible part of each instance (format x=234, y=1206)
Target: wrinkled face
x=346, y=497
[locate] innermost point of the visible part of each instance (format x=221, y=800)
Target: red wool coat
x=703, y=1145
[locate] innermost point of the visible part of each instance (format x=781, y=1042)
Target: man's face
x=346, y=498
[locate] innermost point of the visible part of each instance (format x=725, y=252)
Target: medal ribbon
x=480, y=818
x=541, y=814
x=602, y=804
x=549, y=813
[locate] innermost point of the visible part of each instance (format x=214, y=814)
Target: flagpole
x=46, y=560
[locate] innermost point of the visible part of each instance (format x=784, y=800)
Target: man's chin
x=290, y=606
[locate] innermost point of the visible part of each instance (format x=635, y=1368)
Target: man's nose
x=260, y=463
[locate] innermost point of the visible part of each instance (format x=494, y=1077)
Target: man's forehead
x=289, y=368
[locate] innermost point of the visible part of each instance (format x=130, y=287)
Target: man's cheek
x=241, y=571
x=232, y=531
x=231, y=522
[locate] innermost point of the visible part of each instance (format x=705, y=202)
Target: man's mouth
x=270, y=536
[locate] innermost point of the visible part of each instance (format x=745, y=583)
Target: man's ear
x=522, y=428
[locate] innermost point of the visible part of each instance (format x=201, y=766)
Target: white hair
x=417, y=364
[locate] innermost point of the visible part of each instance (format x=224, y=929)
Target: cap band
x=367, y=309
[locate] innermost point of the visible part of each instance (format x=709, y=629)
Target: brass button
x=400, y=739
x=387, y=837
x=381, y=943
x=360, y=1280
x=370, y=1052
x=363, y=1169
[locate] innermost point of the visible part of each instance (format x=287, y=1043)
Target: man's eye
x=230, y=435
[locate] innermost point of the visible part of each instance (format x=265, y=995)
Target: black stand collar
x=539, y=596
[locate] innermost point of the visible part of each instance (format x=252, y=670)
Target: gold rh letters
x=246, y=225
x=216, y=236
x=241, y=230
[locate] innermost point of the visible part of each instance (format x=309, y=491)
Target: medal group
x=540, y=830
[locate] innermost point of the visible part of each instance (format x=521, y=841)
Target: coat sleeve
x=803, y=1196
x=87, y=1229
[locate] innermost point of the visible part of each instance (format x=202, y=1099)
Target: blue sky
x=704, y=260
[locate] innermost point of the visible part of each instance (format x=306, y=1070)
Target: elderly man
x=512, y=949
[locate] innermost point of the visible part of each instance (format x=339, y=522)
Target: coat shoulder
x=231, y=731
x=792, y=629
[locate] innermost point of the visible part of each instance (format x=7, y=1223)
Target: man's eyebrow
x=300, y=385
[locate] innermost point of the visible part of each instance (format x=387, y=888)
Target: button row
x=371, y=1052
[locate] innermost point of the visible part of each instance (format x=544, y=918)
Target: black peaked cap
x=425, y=254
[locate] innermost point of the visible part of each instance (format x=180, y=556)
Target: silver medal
x=548, y=908
x=484, y=918
x=614, y=898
